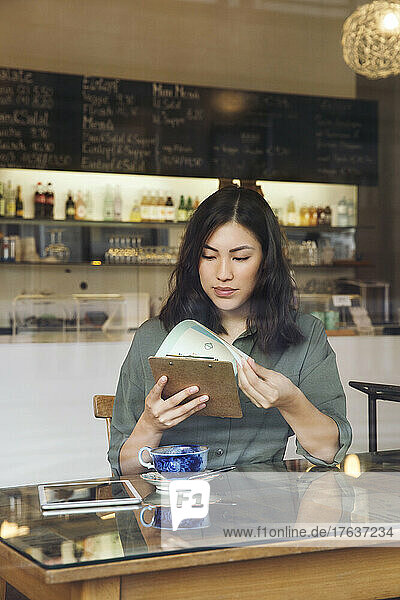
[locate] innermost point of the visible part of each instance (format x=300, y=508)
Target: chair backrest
x=103, y=409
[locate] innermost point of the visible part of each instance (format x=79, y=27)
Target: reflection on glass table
x=258, y=504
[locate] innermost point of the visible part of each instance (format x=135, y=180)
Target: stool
x=375, y=391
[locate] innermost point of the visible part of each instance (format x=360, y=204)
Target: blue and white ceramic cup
x=176, y=460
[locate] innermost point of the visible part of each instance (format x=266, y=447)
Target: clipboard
x=213, y=377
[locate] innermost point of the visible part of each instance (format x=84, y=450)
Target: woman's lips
x=224, y=292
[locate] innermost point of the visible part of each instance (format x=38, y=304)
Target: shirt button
x=219, y=452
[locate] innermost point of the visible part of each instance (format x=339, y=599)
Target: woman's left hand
x=265, y=388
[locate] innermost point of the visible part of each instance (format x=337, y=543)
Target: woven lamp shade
x=371, y=39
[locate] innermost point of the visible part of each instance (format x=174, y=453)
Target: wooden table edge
x=171, y=561
x=152, y=563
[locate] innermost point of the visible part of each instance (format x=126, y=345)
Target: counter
x=49, y=432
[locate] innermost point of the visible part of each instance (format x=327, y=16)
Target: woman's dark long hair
x=272, y=305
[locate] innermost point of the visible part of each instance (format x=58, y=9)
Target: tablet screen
x=88, y=492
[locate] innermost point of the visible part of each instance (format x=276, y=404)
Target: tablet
x=87, y=494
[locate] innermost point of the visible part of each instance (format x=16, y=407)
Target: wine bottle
x=70, y=207
x=19, y=205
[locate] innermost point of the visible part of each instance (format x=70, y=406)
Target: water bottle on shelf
x=108, y=205
x=350, y=213
x=87, y=198
x=342, y=215
x=117, y=204
x=135, y=216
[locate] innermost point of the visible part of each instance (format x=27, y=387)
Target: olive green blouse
x=260, y=435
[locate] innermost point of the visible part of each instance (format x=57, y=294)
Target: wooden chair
x=103, y=409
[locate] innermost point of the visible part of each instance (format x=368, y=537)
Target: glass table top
x=249, y=505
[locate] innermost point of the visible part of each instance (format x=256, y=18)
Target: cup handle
x=148, y=465
x=143, y=522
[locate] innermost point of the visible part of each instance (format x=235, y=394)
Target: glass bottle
x=49, y=202
x=169, y=209
x=153, y=210
x=161, y=208
x=321, y=216
x=80, y=207
x=135, y=216
x=69, y=207
x=303, y=214
x=87, y=198
x=117, y=204
x=19, y=205
x=181, y=210
x=342, y=220
x=39, y=201
x=10, y=201
x=144, y=207
x=189, y=208
x=291, y=216
x=2, y=201
x=108, y=205
x=350, y=213
x=328, y=216
x=313, y=216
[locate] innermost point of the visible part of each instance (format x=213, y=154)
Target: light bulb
x=390, y=21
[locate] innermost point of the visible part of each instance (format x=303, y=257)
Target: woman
x=233, y=277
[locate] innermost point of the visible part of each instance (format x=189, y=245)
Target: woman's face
x=228, y=268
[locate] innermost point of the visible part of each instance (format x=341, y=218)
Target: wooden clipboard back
x=214, y=378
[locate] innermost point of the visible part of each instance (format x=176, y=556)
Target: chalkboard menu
x=69, y=122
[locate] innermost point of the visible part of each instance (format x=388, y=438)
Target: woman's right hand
x=162, y=414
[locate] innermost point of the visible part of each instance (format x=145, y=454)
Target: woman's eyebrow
x=245, y=247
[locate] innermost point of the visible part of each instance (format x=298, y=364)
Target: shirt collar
x=249, y=331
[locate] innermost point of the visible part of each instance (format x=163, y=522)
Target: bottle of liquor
x=321, y=216
x=19, y=205
x=70, y=207
x=87, y=198
x=2, y=201
x=153, y=208
x=169, y=209
x=189, y=208
x=291, y=216
x=36, y=201
x=80, y=207
x=10, y=201
x=328, y=216
x=161, y=208
x=108, y=205
x=135, y=216
x=313, y=216
x=303, y=214
x=181, y=210
x=117, y=204
x=144, y=207
x=49, y=202
x=196, y=203
x=342, y=220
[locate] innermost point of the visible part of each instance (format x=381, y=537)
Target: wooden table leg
x=96, y=589
x=2, y=589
